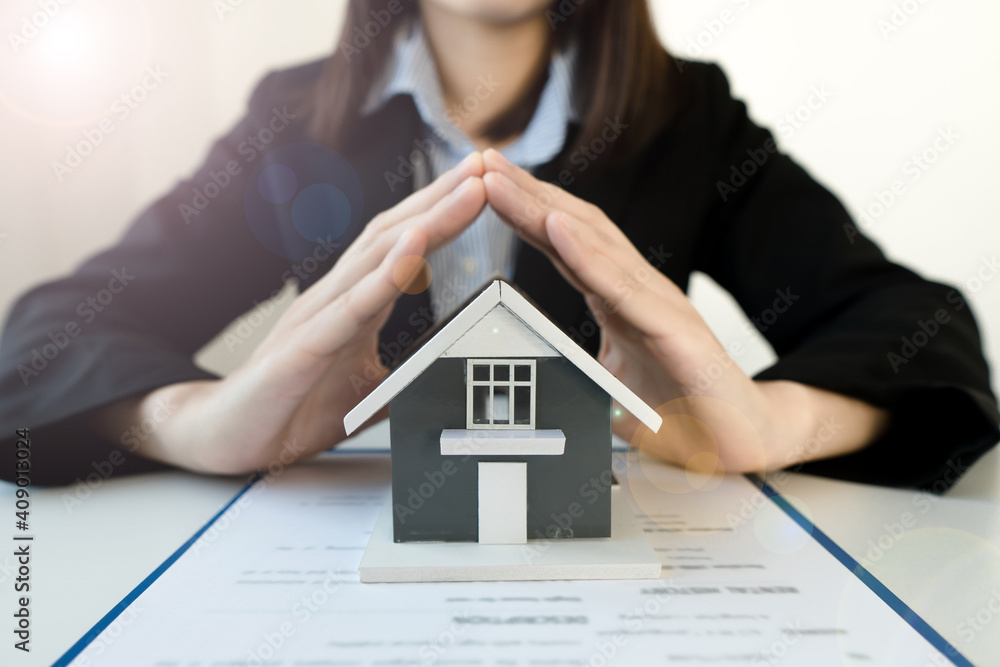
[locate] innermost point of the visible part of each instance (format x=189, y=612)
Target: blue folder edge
x=109, y=618
x=867, y=578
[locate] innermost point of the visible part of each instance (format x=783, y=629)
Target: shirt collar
x=410, y=70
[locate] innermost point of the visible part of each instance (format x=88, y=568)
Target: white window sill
x=502, y=442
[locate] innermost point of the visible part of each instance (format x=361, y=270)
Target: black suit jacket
x=708, y=193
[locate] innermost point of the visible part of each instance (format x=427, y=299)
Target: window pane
x=480, y=405
x=481, y=372
x=522, y=373
x=522, y=404
x=501, y=373
x=501, y=405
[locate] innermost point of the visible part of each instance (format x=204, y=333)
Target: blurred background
x=858, y=91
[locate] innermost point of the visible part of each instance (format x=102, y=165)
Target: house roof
x=498, y=293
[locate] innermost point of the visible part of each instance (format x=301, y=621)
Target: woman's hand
x=289, y=399
x=657, y=344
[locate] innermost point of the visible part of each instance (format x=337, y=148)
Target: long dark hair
x=622, y=72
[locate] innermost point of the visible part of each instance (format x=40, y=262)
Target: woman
x=625, y=170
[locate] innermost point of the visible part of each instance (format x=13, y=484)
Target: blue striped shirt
x=488, y=246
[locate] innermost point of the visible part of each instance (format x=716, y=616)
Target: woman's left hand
x=657, y=344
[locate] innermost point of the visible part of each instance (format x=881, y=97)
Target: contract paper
x=274, y=581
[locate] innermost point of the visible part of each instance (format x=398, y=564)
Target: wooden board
x=627, y=554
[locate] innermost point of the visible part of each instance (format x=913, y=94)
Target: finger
x=531, y=228
x=626, y=292
x=505, y=195
x=544, y=194
x=451, y=216
x=424, y=198
x=619, y=251
x=611, y=321
x=355, y=262
x=443, y=222
x=526, y=214
x=518, y=209
x=357, y=308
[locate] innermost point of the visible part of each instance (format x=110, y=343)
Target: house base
x=627, y=554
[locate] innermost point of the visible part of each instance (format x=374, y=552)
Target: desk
x=88, y=555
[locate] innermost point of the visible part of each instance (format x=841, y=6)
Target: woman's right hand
x=289, y=399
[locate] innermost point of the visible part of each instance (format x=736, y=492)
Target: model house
x=500, y=429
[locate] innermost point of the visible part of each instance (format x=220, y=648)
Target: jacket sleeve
x=129, y=319
x=839, y=315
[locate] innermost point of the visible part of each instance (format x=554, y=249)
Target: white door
x=503, y=503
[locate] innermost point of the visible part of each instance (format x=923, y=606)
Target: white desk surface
x=88, y=556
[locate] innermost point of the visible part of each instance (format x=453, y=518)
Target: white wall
x=890, y=94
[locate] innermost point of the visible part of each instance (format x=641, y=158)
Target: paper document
x=274, y=582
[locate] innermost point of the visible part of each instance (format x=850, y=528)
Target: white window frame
x=491, y=383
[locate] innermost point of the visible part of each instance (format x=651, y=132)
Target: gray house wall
x=435, y=498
